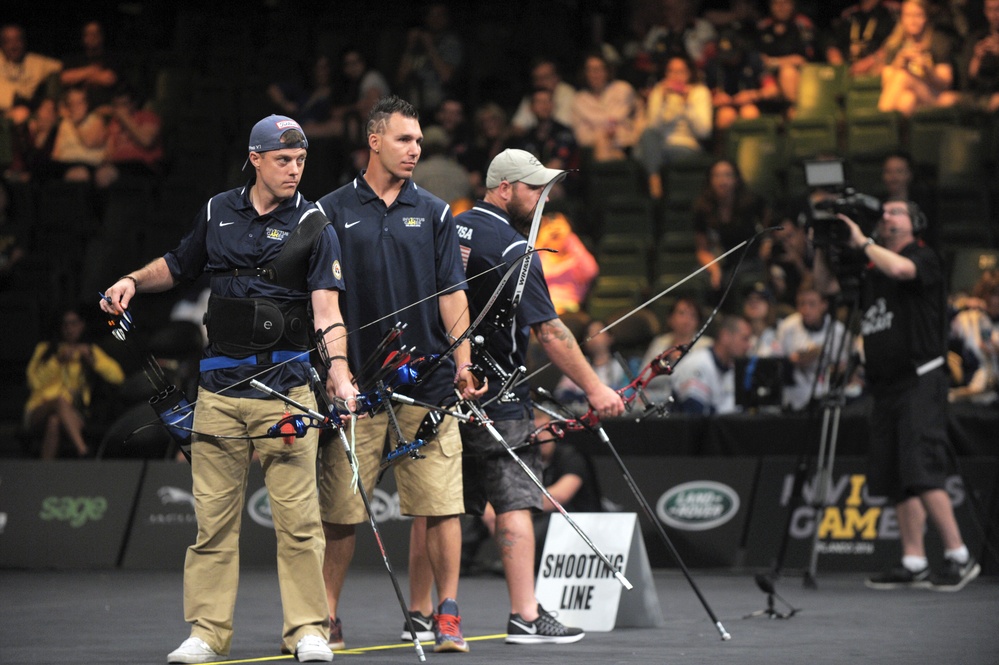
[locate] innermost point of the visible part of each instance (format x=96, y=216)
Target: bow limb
x=532, y=239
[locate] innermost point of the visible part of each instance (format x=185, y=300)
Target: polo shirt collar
x=283, y=207
x=408, y=196
x=493, y=211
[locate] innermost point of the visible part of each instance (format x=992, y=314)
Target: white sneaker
x=313, y=649
x=194, y=650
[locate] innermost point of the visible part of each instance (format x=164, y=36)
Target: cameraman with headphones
x=903, y=300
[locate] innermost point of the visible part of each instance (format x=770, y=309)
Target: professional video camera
x=841, y=199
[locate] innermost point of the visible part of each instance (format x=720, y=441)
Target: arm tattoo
x=555, y=330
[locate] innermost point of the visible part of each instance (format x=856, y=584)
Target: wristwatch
x=867, y=243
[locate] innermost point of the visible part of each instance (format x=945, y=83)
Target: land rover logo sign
x=698, y=505
x=259, y=508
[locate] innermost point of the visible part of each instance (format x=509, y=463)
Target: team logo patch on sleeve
x=412, y=222
x=336, y=270
x=275, y=234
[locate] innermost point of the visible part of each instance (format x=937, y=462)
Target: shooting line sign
x=576, y=583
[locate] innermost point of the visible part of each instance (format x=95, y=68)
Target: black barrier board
x=164, y=524
x=703, y=504
x=858, y=531
x=71, y=514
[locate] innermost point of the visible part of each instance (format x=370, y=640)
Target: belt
x=929, y=366
x=274, y=357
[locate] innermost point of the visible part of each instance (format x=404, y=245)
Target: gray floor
x=136, y=618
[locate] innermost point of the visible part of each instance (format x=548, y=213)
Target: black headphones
x=918, y=217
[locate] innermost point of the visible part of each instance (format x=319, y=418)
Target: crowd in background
x=107, y=157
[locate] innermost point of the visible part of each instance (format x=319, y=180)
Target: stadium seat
x=806, y=138
x=862, y=94
x=871, y=133
x=757, y=159
x=819, y=91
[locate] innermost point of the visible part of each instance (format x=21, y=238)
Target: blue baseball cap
x=266, y=134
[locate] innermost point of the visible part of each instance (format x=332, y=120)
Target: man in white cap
x=251, y=240
x=492, y=234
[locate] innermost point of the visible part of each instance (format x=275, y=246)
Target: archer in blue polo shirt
x=494, y=233
x=402, y=265
x=396, y=256
x=276, y=276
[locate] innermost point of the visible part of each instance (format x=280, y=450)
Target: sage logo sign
x=75, y=511
x=698, y=505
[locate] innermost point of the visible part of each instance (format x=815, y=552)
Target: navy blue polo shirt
x=487, y=239
x=228, y=233
x=395, y=257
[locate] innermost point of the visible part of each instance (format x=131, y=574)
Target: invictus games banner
x=65, y=514
x=857, y=531
x=703, y=504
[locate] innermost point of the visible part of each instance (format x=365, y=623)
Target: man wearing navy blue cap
x=272, y=255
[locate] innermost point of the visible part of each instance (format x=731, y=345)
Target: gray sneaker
x=546, y=629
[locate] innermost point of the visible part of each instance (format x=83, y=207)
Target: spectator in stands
x=598, y=347
x=61, y=376
x=571, y=269
x=858, y=34
x=678, y=118
x=787, y=258
x=345, y=112
x=812, y=341
x=134, y=149
x=704, y=381
x=728, y=13
x=450, y=117
x=33, y=144
x=490, y=138
x=570, y=478
x=786, y=42
x=726, y=213
x=441, y=174
x=23, y=75
x=431, y=63
x=679, y=32
x=307, y=104
x=605, y=111
x=918, y=72
x=898, y=178
x=93, y=68
x=682, y=322
x=12, y=242
x=982, y=61
x=758, y=309
x=741, y=87
x=81, y=138
x=544, y=74
x=549, y=140
x=973, y=346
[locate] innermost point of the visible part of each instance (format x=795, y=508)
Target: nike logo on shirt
x=226, y=223
x=530, y=630
x=347, y=226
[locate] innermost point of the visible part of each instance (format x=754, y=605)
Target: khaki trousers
x=220, y=467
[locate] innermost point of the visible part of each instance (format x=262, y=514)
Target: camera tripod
x=832, y=402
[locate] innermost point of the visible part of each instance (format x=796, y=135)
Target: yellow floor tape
x=362, y=650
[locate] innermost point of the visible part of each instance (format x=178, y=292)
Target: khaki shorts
x=428, y=487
